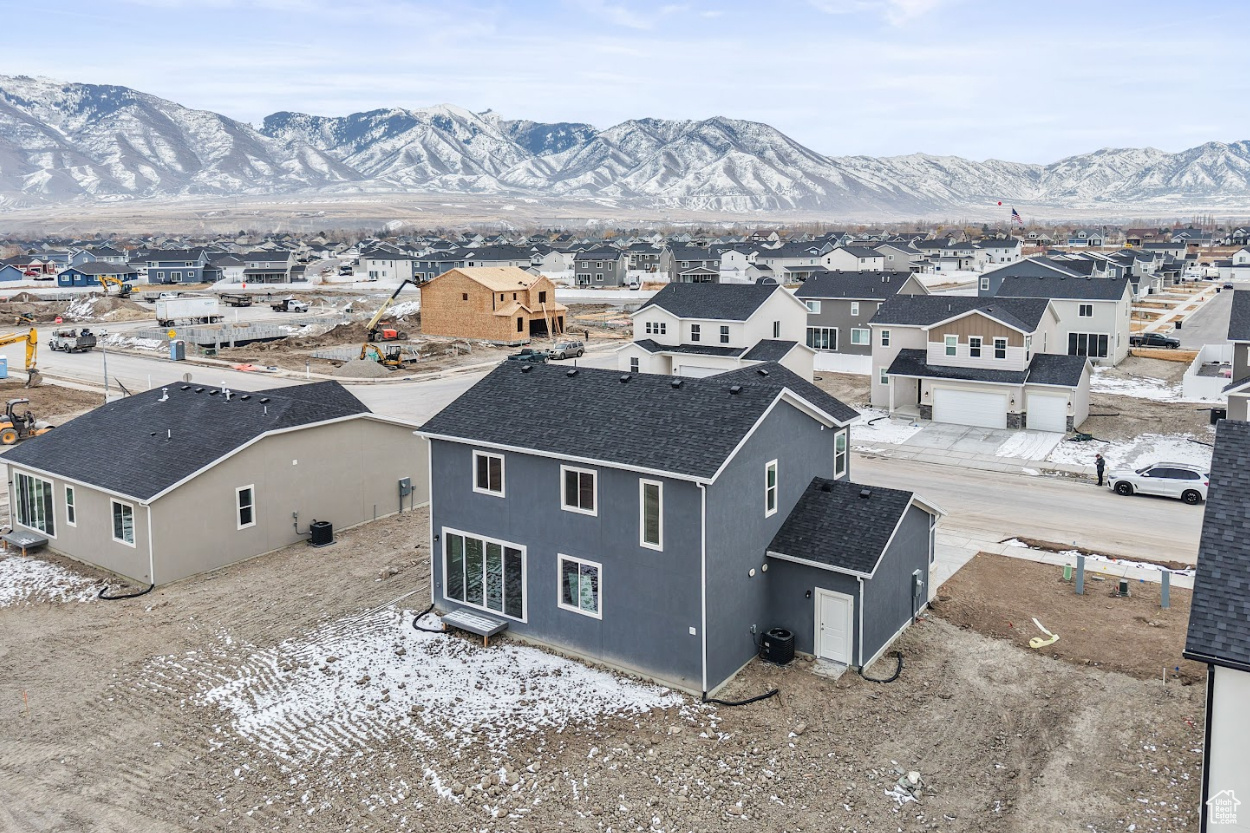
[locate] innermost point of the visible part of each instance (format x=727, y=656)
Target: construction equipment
x=236, y=299
x=33, y=379
x=123, y=288
x=395, y=361
x=290, y=305
x=375, y=332
x=15, y=426
x=72, y=341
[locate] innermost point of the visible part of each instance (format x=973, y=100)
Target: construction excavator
x=376, y=332
x=23, y=426
x=33, y=379
x=123, y=288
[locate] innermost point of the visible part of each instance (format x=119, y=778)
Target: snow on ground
x=119, y=342
x=1135, y=453
x=1106, y=559
x=28, y=580
x=1141, y=388
x=81, y=308
x=883, y=429
x=1029, y=445
x=373, y=680
x=404, y=308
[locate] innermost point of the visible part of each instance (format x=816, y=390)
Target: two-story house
x=703, y=329
x=1086, y=237
x=670, y=525
x=180, y=266
x=987, y=362
x=267, y=266
x=691, y=264
x=839, y=307
x=853, y=259
x=791, y=262
x=992, y=252
x=387, y=265
x=506, y=305
x=1093, y=313
x=601, y=266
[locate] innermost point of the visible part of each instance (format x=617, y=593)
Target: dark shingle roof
x=1239, y=317
x=95, y=267
x=912, y=363
x=1219, y=613
x=922, y=310
x=729, y=302
x=652, y=346
x=769, y=350
x=832, y=524
x=1052, y=369
x=139, y=446
x=779, y=377
x=1084, y=289
x=637, y=419
x=852, y=285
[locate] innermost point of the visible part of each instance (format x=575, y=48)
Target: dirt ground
x=851, y=388
x=49, y=402
x=119, y=735
x=1115, y=417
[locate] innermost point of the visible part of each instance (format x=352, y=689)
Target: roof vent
x=185, y=387
x=199, y=390
x=865, y=493
x=625, y=378
x=735, y=389
x=213, y=392
x=264, y=400
x=246, y=397
x=761, y=371
x=571, y=373
x=164, y=395
x=676, y=383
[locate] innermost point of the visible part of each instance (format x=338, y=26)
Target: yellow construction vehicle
x=33, y=379
x=15, y=426
x=123, y=288
x=375, y=332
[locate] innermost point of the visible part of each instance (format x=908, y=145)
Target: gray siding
x=650, y=600
x=887, y=595
x=837, y=313
x=793, y=609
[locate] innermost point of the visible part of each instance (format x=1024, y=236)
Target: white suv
x=1179, y=480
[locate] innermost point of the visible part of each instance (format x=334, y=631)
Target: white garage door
x=694, y=371
x=965, y=407
x=1047, y=412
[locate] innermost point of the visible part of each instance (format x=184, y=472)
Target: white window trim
x=813, y=306
x=985, y=284
x=855, y=307
x=979, y=347
x=866, y=338
x=238, y=507
x=776, y=488
x=1006, y=344
x=594, y=473
x=560, y=559
x=503, y=474
x=17, y=521
x=885, y=338
x=846, y=452
x=642, y=518
x=525, y=576
x=946, y=345
x=69, y=490
x=884, y=376
x=112, y=530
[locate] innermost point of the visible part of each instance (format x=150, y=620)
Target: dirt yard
x=49, y=402
x=237, y=700
x=851, y=388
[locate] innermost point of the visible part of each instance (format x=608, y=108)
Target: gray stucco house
x=672, y=523
x=840, y=305
x=184, y=479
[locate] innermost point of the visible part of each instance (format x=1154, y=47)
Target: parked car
x=568, y=349
x=1153, y=340
x=1229, y=286
x=530, y=355
x=1178, y=480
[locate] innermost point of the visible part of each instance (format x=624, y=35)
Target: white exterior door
x=835, y=617
x=965, y=407
x=1047, y=412
x=694, y=371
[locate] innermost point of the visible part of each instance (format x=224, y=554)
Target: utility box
x=178, y=350
x=4, y=367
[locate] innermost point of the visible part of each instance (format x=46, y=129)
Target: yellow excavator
x=123, y=288
x=33, y=379
x=376, y=332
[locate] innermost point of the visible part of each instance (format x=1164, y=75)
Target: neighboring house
x=995, y=252
x=1167, y=249
x=1086, y=237
x=1219, y=628
x=792, y=262
x=1036, y=267
x=231, y=266
x=88, y=274
x=692, y=264
x=9, y=272
x=737, y=265
x=552, y=262
x=601, y=266
x=670, y=521
x=180, y=266
x=506, y=305
x=1238, y=389
x=704, y=329
x=644, y=257
x=853, y=259
x=267, y=267
x=899, y=257
x=1094, y=313
x=383, y=265
x=840, y=305
x=977, y=361
x=184, y=479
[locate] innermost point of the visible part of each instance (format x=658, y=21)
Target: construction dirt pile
x=82, y=308
x=362, y=369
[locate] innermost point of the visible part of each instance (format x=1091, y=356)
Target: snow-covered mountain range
x=64, y=141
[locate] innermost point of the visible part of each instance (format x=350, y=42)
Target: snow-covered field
x=888, y=431
x=1139, y=388
x=125, y=342
x=1135, y=453
x=1029, y=445
x=29, y=580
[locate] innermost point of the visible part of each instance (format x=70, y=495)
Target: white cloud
x=897, y=12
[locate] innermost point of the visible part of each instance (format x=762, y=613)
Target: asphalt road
x=1209, y=325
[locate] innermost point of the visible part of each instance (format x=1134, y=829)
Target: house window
x=974, y=347
x=579, y=586
x=724, y=334
x=657, y=328
x=651, y=514
x=776, y=329
x=813, y=306
x=861, y=337
x=884, y=376
x=1085, y=311
x=598, y=264
x=822, y=338
x=484, y=573
x=696, y=332
x=520, y=324
x=839, y=453
x=175, y=276
x=34, y=504
x=245, y=500
x=885, y=338
x=1028, y=346
x=488, y=473
x=542, y=296
x=580, y=489
x=854, y=307
x=952, y=345
x=464, y=296
x=71, y=511
x=770, y=488
x=985, y=284
x=123, y=522
x=1093, y=345
x=1000, y=348
x=633, y=365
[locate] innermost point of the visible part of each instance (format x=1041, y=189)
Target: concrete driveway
x=963, y=441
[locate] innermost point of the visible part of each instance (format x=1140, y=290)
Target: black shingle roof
x=1219, y=613
x=912, y=363
x=637, y=419
x=832, y=524
x=139, y=446
x=729, y=302
x=1239, y=318
x=1052, y=369
x=922, y=310
x=779, y=377
x=769, y=350
x=1084, y=289
x=96, y=267
x=852, y=285
x=652, y=346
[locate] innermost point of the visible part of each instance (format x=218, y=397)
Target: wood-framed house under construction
x=501, y=304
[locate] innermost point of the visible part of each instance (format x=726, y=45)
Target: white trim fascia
x=795, y=559
x=703, y=579
x=147, y=510
x=23, y=467
x=860, y=649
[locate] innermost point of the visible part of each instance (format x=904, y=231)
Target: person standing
x=1099, y=464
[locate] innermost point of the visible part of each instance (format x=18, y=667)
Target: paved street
x=1209, y=325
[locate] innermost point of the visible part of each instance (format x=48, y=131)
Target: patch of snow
x=28, y=580
x=1142, y=388
x=118, y=341
x=1135, y=453
x=81, y=308
x=1029, y=445
x=884, y=429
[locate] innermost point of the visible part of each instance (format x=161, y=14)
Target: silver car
x=1177, y=480
x=568, y=349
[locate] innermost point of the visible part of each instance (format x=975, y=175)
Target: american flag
x=1016, y=218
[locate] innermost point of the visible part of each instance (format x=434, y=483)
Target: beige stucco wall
x=1228, y=735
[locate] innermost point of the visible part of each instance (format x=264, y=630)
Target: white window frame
x=997, y=341
x=772, y=490
x=642, y=515
x=594, y=492
x=633, y=364
x=985, y=284
x=71, y=506
x=813, y=306
x=976, y=344
x=724, y=333
x=884, y=377
x=950, y=345
x=560, y=559
x=17, y=509
x=525, y=577
x=503, y=474
x=855, y=306
x=238, y=507
x=843, y=437
x=776, y=329
x=865, y=338
x=885, y=338
x=113, y=503
x=1081, y=313
x=696, y=332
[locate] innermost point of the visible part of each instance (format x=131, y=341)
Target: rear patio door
x=835, y=617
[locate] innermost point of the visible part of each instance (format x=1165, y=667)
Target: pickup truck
x=1153, y=340
x=529, y=355
x=290, y=305
x=72, y=341
x=236, y=299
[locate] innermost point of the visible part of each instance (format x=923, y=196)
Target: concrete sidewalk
x=973, y=460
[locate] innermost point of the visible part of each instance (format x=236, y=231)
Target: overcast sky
x=1029, y=81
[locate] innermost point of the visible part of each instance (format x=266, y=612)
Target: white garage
x=695, y=371
x=1047, y=412
x=966, y=407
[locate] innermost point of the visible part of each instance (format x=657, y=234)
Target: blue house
x=88, y=274
x=181, y=266
x=9, y=272
x=670, y=524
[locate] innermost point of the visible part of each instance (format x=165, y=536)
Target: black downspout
x=1206, y=751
